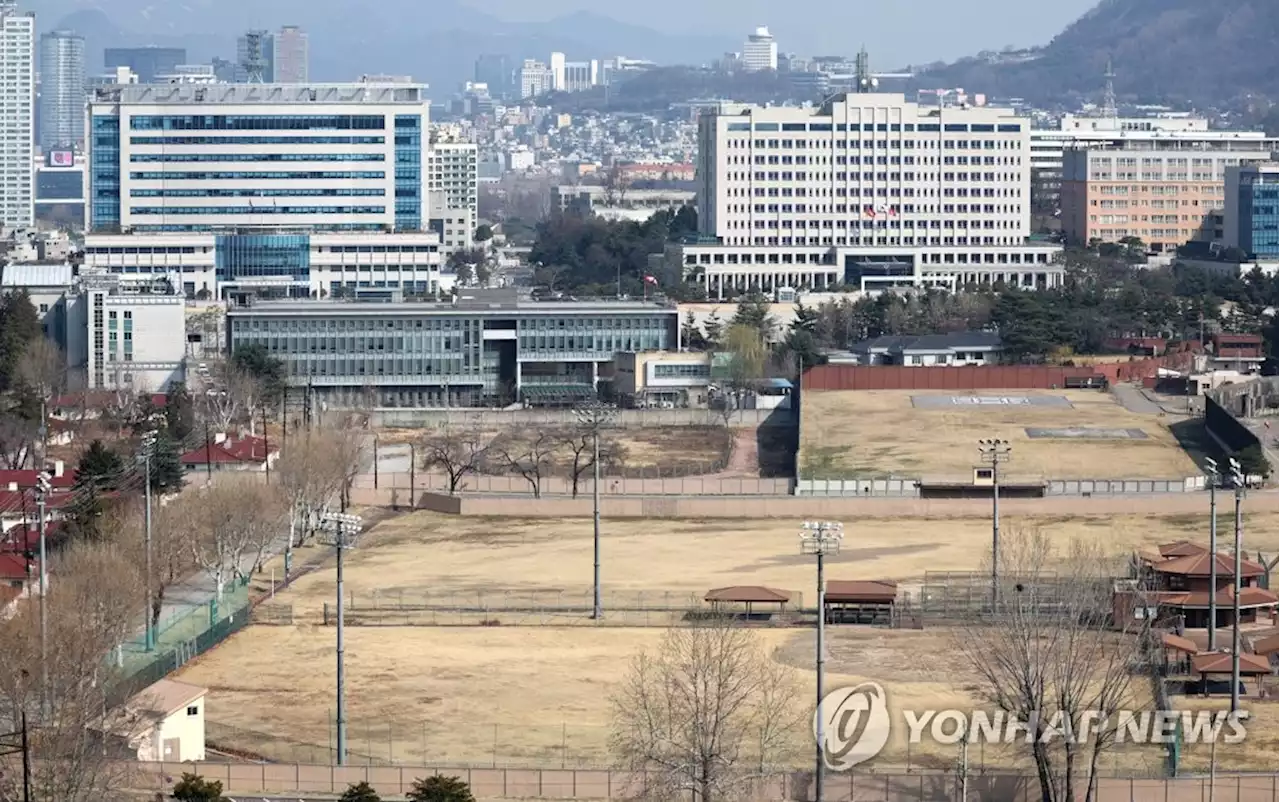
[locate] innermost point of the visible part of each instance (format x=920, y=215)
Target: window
x=193, y=710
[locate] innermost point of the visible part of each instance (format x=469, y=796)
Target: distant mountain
x=1203, y=52
x=436, y=42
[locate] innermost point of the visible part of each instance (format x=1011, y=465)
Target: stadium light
x=995, y=451
x=1237, y=481
x=820, y=538
x=594, y=416
x=1212, y=478
x=340, y=530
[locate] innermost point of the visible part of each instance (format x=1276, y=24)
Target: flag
x=869, y=212
x=650, y=280
x=881, y=209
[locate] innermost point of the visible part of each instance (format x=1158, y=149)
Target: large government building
x=869, y=191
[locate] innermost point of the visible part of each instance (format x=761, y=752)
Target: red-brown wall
x=1002, y=377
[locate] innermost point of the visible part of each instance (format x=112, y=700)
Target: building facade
x=1251, y=215
x=1075, y=132
x=168, y=158
x=62, y=90
x=453, y=194
x=868, y=190
x=17, y=115
x=1165, y=194
x=759, y=52
x=662, y=379
x=483, y=349
x=291, y=55
x=148, y=63
x=283, y=263
x=535, y=78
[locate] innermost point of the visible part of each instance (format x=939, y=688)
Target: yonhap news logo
x=853, y=725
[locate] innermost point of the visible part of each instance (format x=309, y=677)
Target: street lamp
x=340, y=531
x=1237, y=480
x=595, y=416
x=995, y=452
x=820, y=538
x=148, y=446
x=1211, y=476
x=44, y=486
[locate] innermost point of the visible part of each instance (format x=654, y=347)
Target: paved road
x=1134, y=400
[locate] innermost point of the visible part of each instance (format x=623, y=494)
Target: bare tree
x=459, y=451
x=580, y=455
x=1051, y=655
x=91, y=609
x=532, y=456
x=42, y=369
x=312, y=474
x=16, y=438
x=706, y=715
x=221, y=528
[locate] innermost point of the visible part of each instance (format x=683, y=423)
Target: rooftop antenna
x=1109, y=92
x=254, y=64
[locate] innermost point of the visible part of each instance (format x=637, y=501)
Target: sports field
x=869, y=433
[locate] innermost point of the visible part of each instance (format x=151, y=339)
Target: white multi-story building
x=453, y=196
x=280, y=264
x=557, y=67
x=62, y=83
x=290, y=55
x=870, y=191
x=760, y=52
x=17, y=115
x=1077, y=132
x=235, y=156
x=579, y=76
x=536, y=79
x=119, y=336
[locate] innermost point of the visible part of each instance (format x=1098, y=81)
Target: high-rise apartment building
x=146, y=62
x=186, y=157
x=62, y=90
x=760, y=52
x=1165, y=193
x=290, y=55
x=868, y=190
x=1251, y=215
x=453, y=181
x=17, y=115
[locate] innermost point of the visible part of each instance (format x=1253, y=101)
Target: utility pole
x=375, y=461
x=820, y=538
x=208, y=454
x=266, y=446
x=995, y=452
x=345, y=528
x=1212, y=477
x=1237, y=479
x=594, y=416
x=148, y=444
x=43, y=487
x=413, y=477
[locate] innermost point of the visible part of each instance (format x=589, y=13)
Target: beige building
x=165, y=722
x=1165, y=195
x=663, y=379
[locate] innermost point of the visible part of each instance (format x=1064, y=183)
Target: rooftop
x=930, y=343
x=311, y=94
x=35, y=275
x=490, y=302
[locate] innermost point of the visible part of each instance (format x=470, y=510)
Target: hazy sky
x=896, y=32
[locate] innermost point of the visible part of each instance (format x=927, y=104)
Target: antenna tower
x=1109, y=91
x=255, y=63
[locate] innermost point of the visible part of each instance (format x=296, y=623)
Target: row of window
x=872, y=144
x=254, y=193
x=257, y=122
x=188, y=249
x=801, y=175
x=186, y=228
x=327, y=175
x=869, y=160
x=170, y=158
x=185, y=210
x=637, y=325
x=257, y=140
x=977, y=128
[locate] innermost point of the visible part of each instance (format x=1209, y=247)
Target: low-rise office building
x=963, y=348
x=120, y=336
x=663, y=379
x=487, y=347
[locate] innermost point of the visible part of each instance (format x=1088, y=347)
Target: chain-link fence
x=538, y=608
x=412, y=484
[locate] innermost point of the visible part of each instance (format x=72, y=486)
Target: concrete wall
x=419, y=418
x=1004, y=377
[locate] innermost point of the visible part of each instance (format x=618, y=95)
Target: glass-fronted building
x=203, y=157
x=493, y=347
x=1251, y=217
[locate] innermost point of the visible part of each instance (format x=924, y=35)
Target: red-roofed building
x=242, y=453
x=19, y=506
x=92, y=403
x=60, y=478
x=1176, y=581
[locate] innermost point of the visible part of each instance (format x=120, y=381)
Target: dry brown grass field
x=880, y=433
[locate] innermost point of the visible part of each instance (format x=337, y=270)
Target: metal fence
x=534, y=608
x=412, y=484
x=547, y=783
x=420, y=418
x=900, y=487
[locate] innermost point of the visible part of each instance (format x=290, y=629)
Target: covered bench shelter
x=1219, y=663
x=860, y=601
x=725, y=601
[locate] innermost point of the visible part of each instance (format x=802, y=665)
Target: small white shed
x=170, y=722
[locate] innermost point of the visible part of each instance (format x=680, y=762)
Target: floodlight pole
x=1237, y=478
x=148, y=443
x=819, y=538
x=594, y=416
x=1212, y=475
x=344, y=526
x=42, y=489
x=996, y=452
